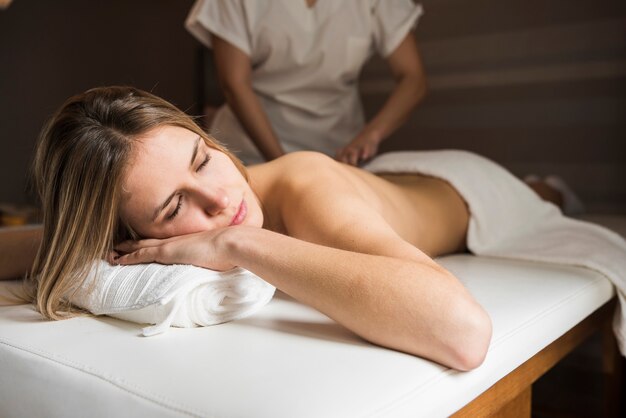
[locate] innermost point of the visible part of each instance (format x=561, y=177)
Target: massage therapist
x=289, y=71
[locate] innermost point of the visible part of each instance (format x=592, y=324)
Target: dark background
x=539, y=86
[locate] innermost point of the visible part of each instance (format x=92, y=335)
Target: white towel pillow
x=172, y=295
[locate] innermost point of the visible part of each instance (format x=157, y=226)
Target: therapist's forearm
x=246, y=106
x=407, y=94
x=18, y=248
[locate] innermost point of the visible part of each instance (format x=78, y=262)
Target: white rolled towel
x=171, y=295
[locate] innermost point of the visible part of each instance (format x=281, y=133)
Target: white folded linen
x=507, y=219
x=171, y=295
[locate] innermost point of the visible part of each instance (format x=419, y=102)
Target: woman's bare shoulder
x=301, y=160
x=308, y=182
x=293, y=169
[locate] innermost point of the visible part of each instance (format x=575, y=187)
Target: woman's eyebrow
x=170, y=197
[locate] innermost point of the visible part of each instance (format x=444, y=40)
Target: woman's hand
x=362, y=148
x=202, y=249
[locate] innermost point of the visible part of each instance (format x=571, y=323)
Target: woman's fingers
x=140, y=256
x=198, y=249
x=150, y=250
x=130, y=246
x=112, y=257
x=127, y=246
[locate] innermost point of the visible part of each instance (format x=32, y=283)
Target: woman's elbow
x=472, y=342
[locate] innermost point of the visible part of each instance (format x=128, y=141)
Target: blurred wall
x=539, y=86
x=50, y=50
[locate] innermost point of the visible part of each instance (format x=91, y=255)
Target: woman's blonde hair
x=81, y=157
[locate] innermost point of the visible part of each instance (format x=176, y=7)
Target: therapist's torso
x=305, y=66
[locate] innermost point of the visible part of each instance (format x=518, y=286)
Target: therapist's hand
x=362, y=148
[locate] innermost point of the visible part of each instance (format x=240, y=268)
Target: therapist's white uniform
x=305, y=63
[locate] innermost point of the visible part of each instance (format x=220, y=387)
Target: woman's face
x=177, y=185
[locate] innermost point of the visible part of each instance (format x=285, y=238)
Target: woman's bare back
x=424, y=211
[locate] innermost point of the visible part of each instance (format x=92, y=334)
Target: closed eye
x=204, y=162
x=180, y=197
x=178, y=205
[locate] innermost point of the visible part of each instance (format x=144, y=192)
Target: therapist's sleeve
x=392, y=20
x=224, y=18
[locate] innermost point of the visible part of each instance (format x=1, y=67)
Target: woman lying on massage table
x=124, y=174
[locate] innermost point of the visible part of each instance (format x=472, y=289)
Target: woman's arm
x=18, y=248
x=234, y=73
x=408, y=72
x=410, y=306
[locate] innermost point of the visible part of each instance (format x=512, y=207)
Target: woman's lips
x=240, y=215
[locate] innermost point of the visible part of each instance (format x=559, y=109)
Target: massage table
x=289, y=360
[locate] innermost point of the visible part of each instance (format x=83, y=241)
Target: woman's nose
x=214, y=200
